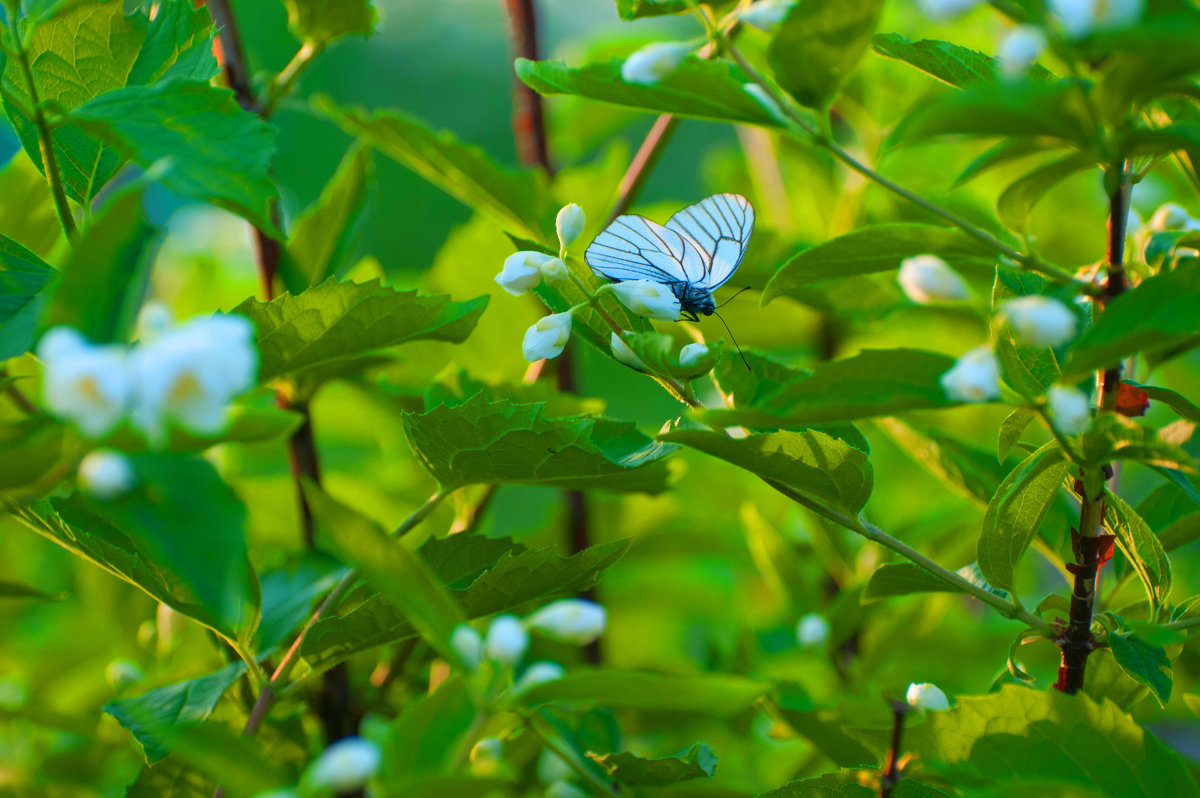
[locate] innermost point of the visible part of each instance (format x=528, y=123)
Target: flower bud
x=468, y=644
x=570, y=621
x=506, y=640
x=106, y=474
x=345, y=765
x=926, y=279
x=539, y=673
x=554, y=271
x=690, y=354
x=654, y=62
x=1169, y=216
x=1019, y=49
x=1081, y=17
x=122, y=673
x=623, y=353
x=766, y=14
x=648, y=298
x=488, y=749
x=564, y=789
x=569, y=223
x=812, y=631
x=85, y=384
x=926, y=696
x=943, y=9
x=1070, y=408
x=974, y=377
x=522, y=271
x=547, y=338
x=1039, y=320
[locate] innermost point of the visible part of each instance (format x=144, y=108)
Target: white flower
x=812, y=631
x=690, y=354
x=552, y=768
x=1039, y=320
x=190, y=373
x=506, y=640
x=654, y=62
x=1169, y=216
x=766, y=14
x=564, y=789
x=974, y=377
x=106, y=474
x=554, y=271
x=539, y=673
x=154, y=319
x=547, y=338
x=86, y=384
x=522, y=271
x=1081, y=17
x=648, y=298
x=1020, y=48
x=1070, y=408
x=764, y=98
x=346, y=765
x=569, y=223
x=623, y=353
x=468, y=644
x=570, y=620
x=941, y=9
x=926, y=279
x=926, y=696
x=488, y=749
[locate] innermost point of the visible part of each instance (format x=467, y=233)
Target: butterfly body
x=693, y=299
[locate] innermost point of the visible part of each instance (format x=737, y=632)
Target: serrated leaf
x=714, y=694
x=23, y=279
x=972, y=472
x=1147, y=664
x=855, y=783
x=696, y=762
x=323, y=21
x=1016, y=510
x=749, y=387
x=948, y=62
x=1017, y=202
x=1011, y=429
x=193, y=138
x=818, y=44
x=1142, y=547
x=178, y=43
x=482, y=442
x=339, y=320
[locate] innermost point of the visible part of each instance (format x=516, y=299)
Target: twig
x=643, y=161
x=528, y=120
x=891, y=771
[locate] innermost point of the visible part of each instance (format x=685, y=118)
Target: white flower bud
x=522, y=271
x=554, y=271
x=926, y=696
x=106, y=474
x=766, y=14
x=552, y=768
x=468, y=644
x=623, y=353
x=691, y=353
x=812, y=631
x=488, y=749
x=345, y=765
x=648, y=298
x=654, y=62
x=85, y=384
x=154, y=319
x=943, y=9
x=974, y=377
x=1169, y=216
x=539, y=673
x=570, y=620
x=1039, y=320
x=926, y=279
x=122, y=673
x=564, y=789
x=764, y=98
x=1019, y=49
x=569, y=223
x=1070, y=408
x=547, y=338
x=1081, y=17
x=506, y=640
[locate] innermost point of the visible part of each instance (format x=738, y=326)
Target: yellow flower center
x=185, y=388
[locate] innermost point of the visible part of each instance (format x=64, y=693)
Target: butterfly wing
x=635, y=248
x=721, y=226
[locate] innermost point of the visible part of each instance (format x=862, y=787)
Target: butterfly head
x=694, y=300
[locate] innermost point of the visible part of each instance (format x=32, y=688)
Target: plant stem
x=281, y=86
x=17, y=396
x=643, y=161
x=891, y=770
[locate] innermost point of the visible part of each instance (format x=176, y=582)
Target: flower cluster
x=184, y=375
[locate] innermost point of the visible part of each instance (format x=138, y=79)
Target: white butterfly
x=696, y=253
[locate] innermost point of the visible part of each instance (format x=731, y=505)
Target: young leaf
x=819, y=44
x=714, y=694
x=339, y=320
x=1016, y=510
x=902, y=579
x=1011, y=429
x=696, y=762
x=1173, y=400
x=23, y=279
x=950, y=63
x=323, y=21
x=1018, y=200
x=1141, y=546
x=1146, y=663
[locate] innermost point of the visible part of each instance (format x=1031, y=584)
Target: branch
x=891, y=770
x=645, y=159
x=528, y=119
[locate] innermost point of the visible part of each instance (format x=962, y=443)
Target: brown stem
x=891, y=770
x=231, y=55
x=528, y=119
x=645, y=159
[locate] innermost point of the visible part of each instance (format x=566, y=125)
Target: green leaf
x=232, y=759
x=322, y=21
x=856, y=783
x=696, y=762
x=1115, y=437
x=811, y=461
x=170, y=779
x=1145, y=663
x=195, y=139
x=288, y=594
x=749, y=387
x=26, y=210
x=16, y=590
x=178, y=43
x=697, y=88
x=659, y=354
x=1142, y=547
x=191, y=701
x=1171, y=399
x=322, y=238
x=998, y=154
x=713, y=694
x=817, y=46
x=822, y=726
x=517, y=200
x=972, y=472
x=1146, y=61
x=428, y=734
x=903, y=579
x=951, y=63
x=101, y=285
x=1016, y=510
x=1017, y=201
x=1011, y=429
x=339, y=320
x=872, y=249
x=481, y=442
x=389, y=567
x=636, y=9
x=431, y=785
x=1030, y=370
x=23, y=278
x=1155, y=314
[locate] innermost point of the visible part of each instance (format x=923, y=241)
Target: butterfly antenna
x=735, y=343
x=735, y=296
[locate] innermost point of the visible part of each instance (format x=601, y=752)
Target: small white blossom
x=506, y=640
x=570, y=620
x=812, y=631
x=564, y=789
x=926, y=696
x=468, y=644
x=1081, y=17
x=85, y=384
x=106, y=474
x=554, y=271
x=1169, y=216
x=488, y=749
x=345, y=765
x=766, y=14
x=552, y=768
x=623, y=353
x=547, y=338
x=690, y=354
x=654, y=62
x=1070, y=408
x=1039, y=320
x=764, y=98
x=942, y=9
x=926, y=279
x=522, y=271
x=974, y=377
x=1020, y=48
x=154, y=319
x=648, y=298
x=569, y=223
x=539, y=673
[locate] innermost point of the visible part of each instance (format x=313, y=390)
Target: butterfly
x=694, y=254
